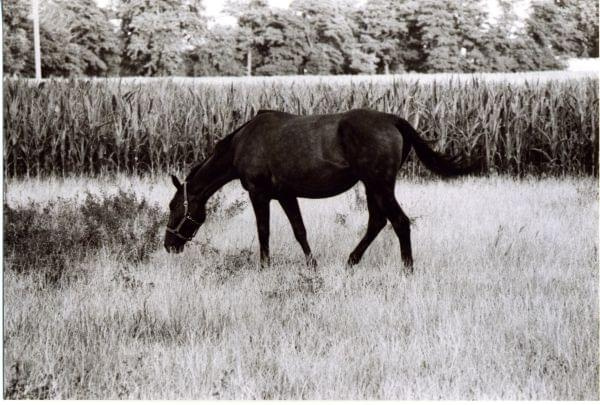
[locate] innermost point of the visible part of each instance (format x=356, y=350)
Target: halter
x=186, y=217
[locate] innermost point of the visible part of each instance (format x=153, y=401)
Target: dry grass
x=503, y=303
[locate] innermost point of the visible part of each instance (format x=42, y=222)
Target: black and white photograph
x=300, y=199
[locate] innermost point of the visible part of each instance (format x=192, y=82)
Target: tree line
x=175, y=37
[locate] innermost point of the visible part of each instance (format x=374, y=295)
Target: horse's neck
x=214, y=174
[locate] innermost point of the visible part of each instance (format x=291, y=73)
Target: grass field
x=503, y=302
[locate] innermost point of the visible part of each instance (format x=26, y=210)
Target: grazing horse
x=283, y=156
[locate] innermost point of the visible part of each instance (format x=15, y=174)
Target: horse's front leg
x=261, y=210
x=292, y=210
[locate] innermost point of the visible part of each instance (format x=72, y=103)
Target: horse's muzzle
x=173, y=244
x=174, y=249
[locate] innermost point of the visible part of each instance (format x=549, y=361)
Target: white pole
x=249, y=65
x=36, y=39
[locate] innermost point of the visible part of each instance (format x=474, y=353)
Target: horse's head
x=186, y=216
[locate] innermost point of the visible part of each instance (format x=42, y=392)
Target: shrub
x=56, y=238
x=130, y=227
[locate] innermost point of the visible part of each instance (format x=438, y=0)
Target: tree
x=586, y=15
x=17, y=34
x=157, y=33
x=471, y=25
x=528, y=56
x=507, y=47
x=570, y=27
x=168, y=37
x=381, y=31
x=61, y=55
x=437, y=45
x=445, y=37
x=332, y=36
x=274, y=40
x=217, y=54
x=553, y=27
x=91, y=29
x=497, y=41
x=252, y=19
x=284, y=45
x=75, y=37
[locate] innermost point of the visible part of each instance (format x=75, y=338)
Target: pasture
x=503, y=302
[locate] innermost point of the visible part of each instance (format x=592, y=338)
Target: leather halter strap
x=186, y=217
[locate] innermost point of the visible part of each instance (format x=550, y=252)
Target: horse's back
x=315, y=155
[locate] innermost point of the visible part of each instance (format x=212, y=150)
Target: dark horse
x=283, y=156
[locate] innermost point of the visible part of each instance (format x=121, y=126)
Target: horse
x=282, y=156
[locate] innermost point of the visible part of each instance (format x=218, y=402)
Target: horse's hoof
x=352, y=261
x=311, y=262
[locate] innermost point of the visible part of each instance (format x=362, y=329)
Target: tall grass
x=74, y=127
x=503, y=302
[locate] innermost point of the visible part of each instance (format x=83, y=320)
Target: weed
x=359, y=201
x=235, y=208
x=341, y=218
x=20, y=384
x=213, y=205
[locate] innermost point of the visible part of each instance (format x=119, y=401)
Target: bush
x=130, y=227
x=56, y=238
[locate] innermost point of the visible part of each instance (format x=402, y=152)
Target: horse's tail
x=445, y=166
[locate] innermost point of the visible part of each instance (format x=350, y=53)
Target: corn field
x=105, y=126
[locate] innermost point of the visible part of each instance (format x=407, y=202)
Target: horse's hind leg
x=292, y=210
x=400, y=222
x=377, y=221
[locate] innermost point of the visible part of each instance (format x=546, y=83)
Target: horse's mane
x=222, y=145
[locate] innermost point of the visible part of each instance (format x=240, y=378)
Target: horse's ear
x=176, y=182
